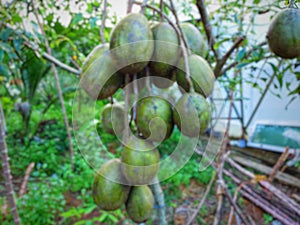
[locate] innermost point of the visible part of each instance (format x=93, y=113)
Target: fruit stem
x=184, y=47
x=292, y=4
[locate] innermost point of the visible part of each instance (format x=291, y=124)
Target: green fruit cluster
x=111, y=195
x=134, y=48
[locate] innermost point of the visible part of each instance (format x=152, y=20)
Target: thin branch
x=191, y=219
x=223, y=60
x=45, y=55
x=103, y=21
x=262, y=96
x=143, y=6
x=60, y=95
x=208, y=29
x=25, y=181
x=230, y=66
x=184, y=47
x=129, y=6
x=278, y=164
x=7, y=173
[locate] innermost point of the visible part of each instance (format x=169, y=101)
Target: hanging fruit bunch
x=284, y=33
x=138, y=50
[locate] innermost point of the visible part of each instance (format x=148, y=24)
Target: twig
x=184, y=47
x=278, y=164
x=191, y=219
x=143, y=6
x=160, y=201
x=103, y=21
x=129, y=6
x=127, y=95
x=25, y=181
x=247, y=192
x=223, y=60
x=208, y=29
x=249, y=52
x=7, y=173
x=235, y=206
x=60, y=95
x=45, y=55
x=262, y=96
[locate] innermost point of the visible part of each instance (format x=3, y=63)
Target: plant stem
x=6, y=171
x=60, y=95
x=103, y=22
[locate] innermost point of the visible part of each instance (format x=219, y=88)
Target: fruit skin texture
x=166, y=50
x=131, y=43
x=155, y=113
x=194, y=39
x=112, y=118
x=109, y=195
x=140, y=161
x=139, y=205
x=284, y=34
x=200, y=72
x=192, y=114
x=98, y=73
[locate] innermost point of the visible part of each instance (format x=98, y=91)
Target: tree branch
x=223, y=60
x=6, y=171
x=45, y=55
x=60, y=95
x=208, y=30
x=191, y=219
x=103, y=22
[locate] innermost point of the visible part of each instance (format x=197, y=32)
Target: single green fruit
x=107, y=194
x=194, y=39
x=284, y=34
x=166, y=50
x=192, y=114
x=140, y=161
x=98, y=73
x=131, y=43
x=112, y=118
x=140, y=203
x=154, y=118
x=200, y=72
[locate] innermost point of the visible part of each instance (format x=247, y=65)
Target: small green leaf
x=240, y=55
x=4, y=70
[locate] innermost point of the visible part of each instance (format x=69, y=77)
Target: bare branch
x=45, y=55
x=103, y=21
x=25, y=181
x=60, y=95
x=208, y=29
x=191, y=219
x=7, y=173
x=223, y=60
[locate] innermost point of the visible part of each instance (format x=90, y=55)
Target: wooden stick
x=191, y=219
x=26, y=178
x=278, y=164
x=7, y=173
x=283, y=177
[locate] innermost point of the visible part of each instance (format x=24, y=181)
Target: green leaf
x=78, y=17
x=240, y=55
x=17, y=42
x=4, y=70
x=5, y=33
x=16, y=18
